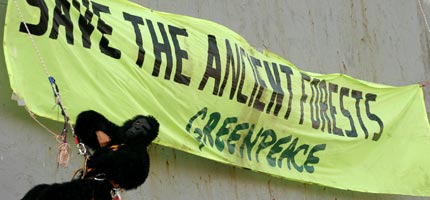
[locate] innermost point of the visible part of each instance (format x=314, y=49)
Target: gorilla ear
x=153, y=123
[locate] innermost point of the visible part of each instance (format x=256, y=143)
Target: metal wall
x=374, y=40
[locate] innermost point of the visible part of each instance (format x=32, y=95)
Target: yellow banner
x=216, y=96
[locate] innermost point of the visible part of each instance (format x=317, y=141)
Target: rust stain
x=233, y=177
x=365, y=23
x=270, y=191
x=209, y=188
x=167, y=168
x=344, y=69
x=174, y=155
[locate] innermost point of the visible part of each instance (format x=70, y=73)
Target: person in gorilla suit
x=120, y=158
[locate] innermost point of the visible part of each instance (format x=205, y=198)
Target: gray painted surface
x=374, y=40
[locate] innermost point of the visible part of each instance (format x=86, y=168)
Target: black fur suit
x=124, y=162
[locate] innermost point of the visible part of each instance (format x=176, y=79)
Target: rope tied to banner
x=64, y=147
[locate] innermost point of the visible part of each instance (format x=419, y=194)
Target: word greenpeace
x=260, y=84
x=241, y=138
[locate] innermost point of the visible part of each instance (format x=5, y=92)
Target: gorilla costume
x=123, y=163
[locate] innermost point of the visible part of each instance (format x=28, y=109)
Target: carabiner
x=82, y=149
